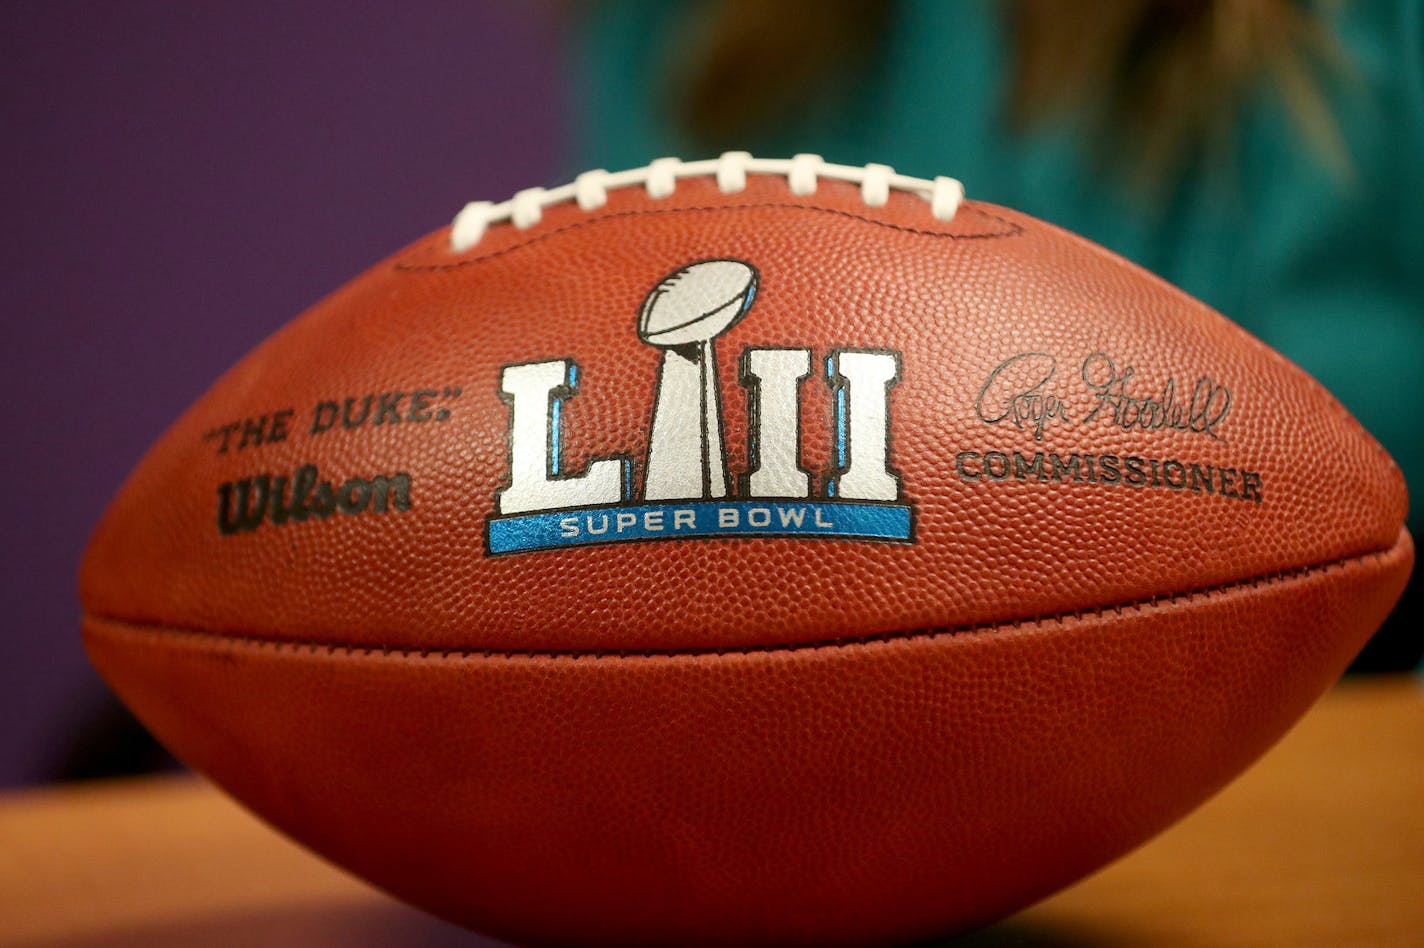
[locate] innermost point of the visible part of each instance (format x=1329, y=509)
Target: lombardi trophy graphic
x=687, y=490
x=682, y=315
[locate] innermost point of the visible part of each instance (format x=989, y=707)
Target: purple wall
x=181, y=179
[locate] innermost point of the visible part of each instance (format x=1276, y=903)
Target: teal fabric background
x=1328, y=268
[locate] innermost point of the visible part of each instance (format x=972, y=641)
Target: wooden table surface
x=1321, y=843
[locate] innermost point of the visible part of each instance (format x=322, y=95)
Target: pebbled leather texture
x=749, y=739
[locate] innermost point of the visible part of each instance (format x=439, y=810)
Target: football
x=742, y=551
x=697, y=302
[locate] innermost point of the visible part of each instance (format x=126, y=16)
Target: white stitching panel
x=590, y=189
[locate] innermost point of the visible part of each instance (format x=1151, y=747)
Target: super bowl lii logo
x=687, y=491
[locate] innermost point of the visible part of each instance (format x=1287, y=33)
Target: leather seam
x=1116, y=610
x=1012, y=229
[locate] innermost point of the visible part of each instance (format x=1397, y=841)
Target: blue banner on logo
x=844, y=520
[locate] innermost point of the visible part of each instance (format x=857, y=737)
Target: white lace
x=590, y=189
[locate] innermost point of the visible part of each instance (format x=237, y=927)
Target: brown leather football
x=742, y=551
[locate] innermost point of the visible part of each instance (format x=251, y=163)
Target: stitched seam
x=1117, y=610
x=1012, y=229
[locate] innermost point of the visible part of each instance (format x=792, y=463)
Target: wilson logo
x=686, y=489
x=247, y=503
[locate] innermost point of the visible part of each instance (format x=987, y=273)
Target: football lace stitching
x=802, y=173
